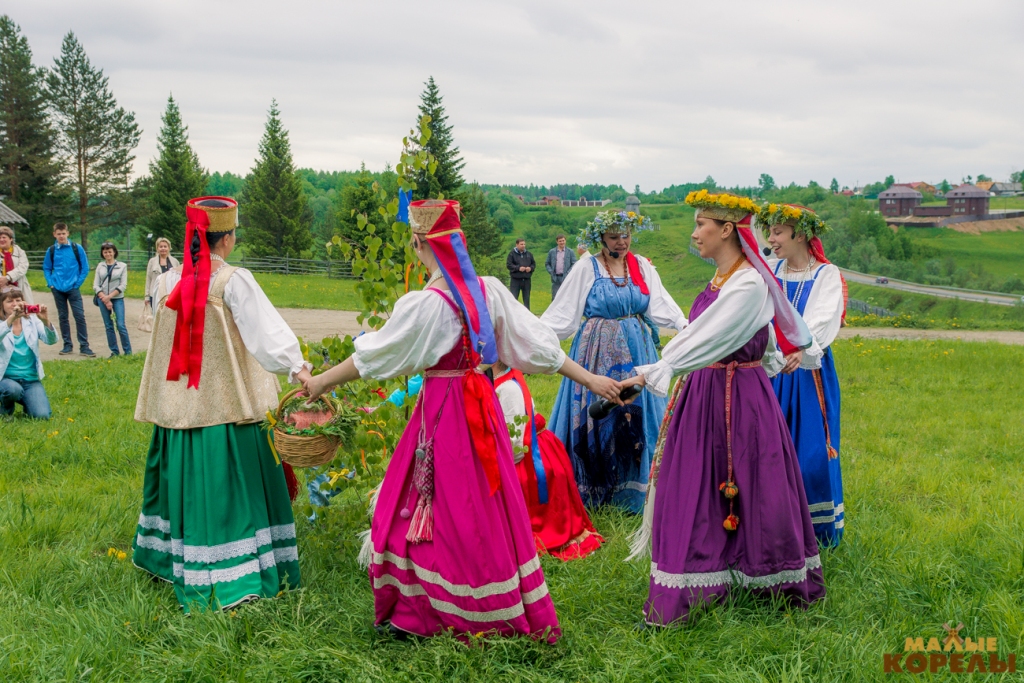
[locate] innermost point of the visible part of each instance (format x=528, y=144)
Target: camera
x=31, y=308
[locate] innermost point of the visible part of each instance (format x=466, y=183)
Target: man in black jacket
x=520, y=266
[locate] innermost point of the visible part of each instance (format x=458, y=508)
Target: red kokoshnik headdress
x=206, y=215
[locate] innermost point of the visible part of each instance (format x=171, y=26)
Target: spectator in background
x=558, y=264
x=65, y=268
x=21, y=369
x=13, y=265
x=520, y=264
x=158, y=265
x=109, y=284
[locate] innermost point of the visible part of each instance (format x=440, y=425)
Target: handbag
x=96, y=297
x=146, y=319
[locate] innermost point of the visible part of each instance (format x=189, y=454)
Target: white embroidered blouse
x=423, y=327
x=742, y=308
x=263, y=331
x=565, y=312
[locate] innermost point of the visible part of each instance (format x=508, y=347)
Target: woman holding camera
x=22, y=326
x=109, y=284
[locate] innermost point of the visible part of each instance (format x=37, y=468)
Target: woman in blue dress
x=810, y=395
x=613, y=302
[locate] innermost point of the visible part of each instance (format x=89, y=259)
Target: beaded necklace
x=615, y=281
x=801, y=285
x=438, y=274
x=718, y=281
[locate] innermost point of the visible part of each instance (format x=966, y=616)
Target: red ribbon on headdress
x=634, y=273
x=189, y=300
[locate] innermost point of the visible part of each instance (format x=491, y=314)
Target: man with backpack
x=65, y=268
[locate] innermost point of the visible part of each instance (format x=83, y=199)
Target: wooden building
x=968, y=200
x=898, y=200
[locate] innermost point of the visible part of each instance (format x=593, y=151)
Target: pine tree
x=447, y=178
x=95, y=136
x=273, y=208
x=28, y=172
x=176, y=177
x=482, y=236
x=834, y=186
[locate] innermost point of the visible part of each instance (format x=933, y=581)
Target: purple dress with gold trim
x=773, y=550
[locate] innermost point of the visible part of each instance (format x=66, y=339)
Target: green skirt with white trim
x=216, y=519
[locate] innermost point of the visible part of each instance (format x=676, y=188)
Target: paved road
x=962, y=294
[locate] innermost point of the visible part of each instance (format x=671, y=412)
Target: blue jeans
x=61, y=301
x=30, y=395
x=122, y=329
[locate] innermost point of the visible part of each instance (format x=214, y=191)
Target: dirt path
x=315, y=323
x=1001, y=336
x=309, y=323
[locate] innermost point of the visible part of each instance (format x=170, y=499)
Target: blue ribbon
x=538, y=463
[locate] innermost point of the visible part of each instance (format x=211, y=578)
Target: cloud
x=653, y=93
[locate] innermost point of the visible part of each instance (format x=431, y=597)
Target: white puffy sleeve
x=264, y=332
x=823, y=314
x=523, y=343
x=743, y=307
x=662, y=309
x=564, y=314
x=510, y=396
x=773, y=360
x=422, y=328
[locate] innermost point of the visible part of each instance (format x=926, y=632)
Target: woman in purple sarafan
x=726, y=508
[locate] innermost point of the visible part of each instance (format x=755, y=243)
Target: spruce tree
x=28, y=172
x=482, y=236
x=447, y=178
x=273, y=208
x=95, y=136
x=176, y=177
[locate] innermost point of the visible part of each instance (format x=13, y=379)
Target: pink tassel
x=421, y=528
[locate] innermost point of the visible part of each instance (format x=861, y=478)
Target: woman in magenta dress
x=727, y=507
x=450, y=546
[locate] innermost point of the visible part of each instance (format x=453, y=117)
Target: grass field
x=999, y=253
x=931, y=448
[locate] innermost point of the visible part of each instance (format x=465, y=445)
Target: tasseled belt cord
x=819, y=387
x=728, y=487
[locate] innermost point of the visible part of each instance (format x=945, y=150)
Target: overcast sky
x=549, y=91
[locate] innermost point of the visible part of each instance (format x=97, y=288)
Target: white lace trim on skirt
x=416, y=590
x=462, y=590
x=729, y=577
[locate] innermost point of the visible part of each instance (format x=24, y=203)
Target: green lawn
x=999, y=253
x=932, y=437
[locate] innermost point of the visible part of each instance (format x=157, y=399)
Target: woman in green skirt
x=216, y=519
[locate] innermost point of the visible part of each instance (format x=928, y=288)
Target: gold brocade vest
x=234, y=388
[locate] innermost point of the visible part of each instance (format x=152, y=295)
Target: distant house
x=985, y=185
x=847, y=193
x=921, y=186
x=1006, y=189
x=898, y=200
x=968, y=200
x=9, y=217
x=551, y=200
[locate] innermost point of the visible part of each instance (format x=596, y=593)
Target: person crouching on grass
x=21, y=368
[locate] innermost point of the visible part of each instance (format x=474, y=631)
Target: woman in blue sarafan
x=810, y=395
x=613, y=302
